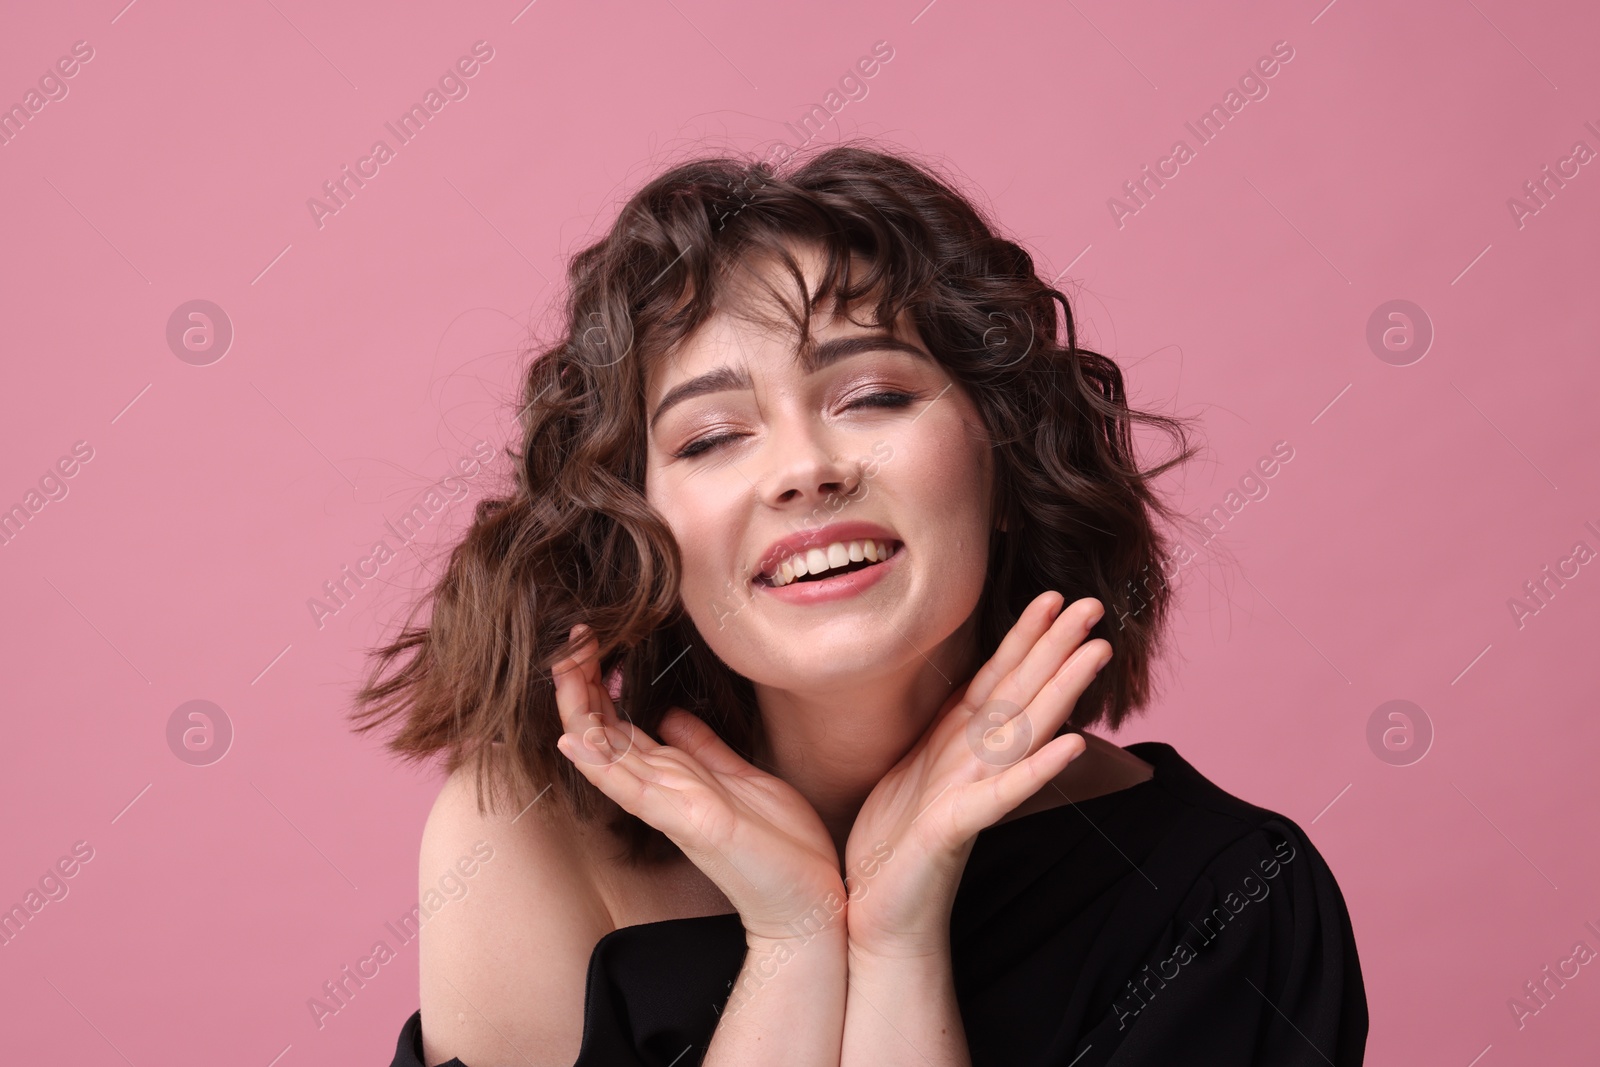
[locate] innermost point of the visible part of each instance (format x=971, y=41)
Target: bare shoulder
x=504, y=951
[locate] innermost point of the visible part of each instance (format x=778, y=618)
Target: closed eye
x=702, y=445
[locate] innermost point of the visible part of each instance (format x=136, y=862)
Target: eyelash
x=889, y=399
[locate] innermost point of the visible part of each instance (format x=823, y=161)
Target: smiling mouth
x=778, y=581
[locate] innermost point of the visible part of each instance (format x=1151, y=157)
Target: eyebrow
x=821, y=355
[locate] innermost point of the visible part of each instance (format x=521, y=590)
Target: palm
x=914, y=812
x=752, y=834
x=986, y=750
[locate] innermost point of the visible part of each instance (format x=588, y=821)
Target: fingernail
x=1103, y=662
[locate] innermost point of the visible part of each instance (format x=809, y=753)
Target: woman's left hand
x=985, y=752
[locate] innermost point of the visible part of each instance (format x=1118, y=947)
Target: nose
x=808, y=468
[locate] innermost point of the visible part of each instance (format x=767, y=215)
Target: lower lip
x=835, y=588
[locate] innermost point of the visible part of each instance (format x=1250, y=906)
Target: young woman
x=767, y=688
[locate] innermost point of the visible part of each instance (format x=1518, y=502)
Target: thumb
x=672, y=725
x=693, y=735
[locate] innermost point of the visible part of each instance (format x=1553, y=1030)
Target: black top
x=1168, y=922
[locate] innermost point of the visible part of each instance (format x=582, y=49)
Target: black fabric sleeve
x=1258, y=966
x=408, y=1050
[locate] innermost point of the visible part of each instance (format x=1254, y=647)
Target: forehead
x=755, y=324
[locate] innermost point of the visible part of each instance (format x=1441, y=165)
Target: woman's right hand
x=750, y=832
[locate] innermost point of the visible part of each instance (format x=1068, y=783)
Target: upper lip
x=820, y=537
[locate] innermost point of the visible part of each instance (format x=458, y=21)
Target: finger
x=1048, y=653
x=695, y=736
x=1025, y=632
x=585, y=654
x=667, y=798
x=987, y=802
x=575, y=696
x=587, y=715
x=632, y=783
x=594, y=706
x=1054, y=704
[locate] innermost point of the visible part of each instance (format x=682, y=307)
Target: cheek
x=949, y=472
x=699, y=526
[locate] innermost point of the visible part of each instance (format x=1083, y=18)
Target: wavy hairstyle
x=575, y=541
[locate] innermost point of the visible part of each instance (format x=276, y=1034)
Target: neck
x=834, y=745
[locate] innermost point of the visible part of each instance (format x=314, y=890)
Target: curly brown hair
x=575, y=540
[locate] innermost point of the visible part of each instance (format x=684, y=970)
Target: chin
x=840, y=655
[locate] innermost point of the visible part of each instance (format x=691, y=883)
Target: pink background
x=370, y=354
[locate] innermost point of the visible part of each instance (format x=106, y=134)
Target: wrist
x=926, y=949
x=827, y=930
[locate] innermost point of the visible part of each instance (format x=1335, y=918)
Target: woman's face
x=764, y=462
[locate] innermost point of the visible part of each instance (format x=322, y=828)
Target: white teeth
x=839, y=554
